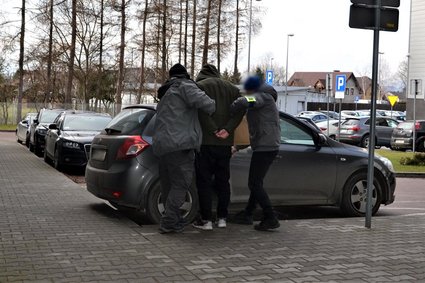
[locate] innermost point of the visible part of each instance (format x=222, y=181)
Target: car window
x=48, y=116
x=381, y=122
x=130, y=121
x=292, y=133
x=85, y=122
x=392, y=123
x=352, y=122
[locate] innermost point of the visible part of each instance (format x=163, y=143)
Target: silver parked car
x=23, y=128
x=123, y=170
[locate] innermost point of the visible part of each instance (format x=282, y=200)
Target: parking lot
x=52, y=230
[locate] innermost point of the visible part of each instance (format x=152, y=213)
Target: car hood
x=79, y=136
x=43, y=126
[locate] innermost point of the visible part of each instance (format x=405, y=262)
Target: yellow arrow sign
x=393, y=99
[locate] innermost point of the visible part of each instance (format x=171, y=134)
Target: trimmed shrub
x=418, y=159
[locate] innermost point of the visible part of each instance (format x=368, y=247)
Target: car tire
x=365, y=141
x=27, y=141
x=155, y=206
x=56, y=161
x=421, y=146
x=354, y=196
x=31, y=147
x=45, y=157
x=37, y=150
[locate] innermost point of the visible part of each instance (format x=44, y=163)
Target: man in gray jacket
x=177, y=136
x=264, y=131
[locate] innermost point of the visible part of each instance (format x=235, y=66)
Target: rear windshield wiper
x=112, y=131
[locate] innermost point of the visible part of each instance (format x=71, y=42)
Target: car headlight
x=42, y=131
x=71, y=144
x=386, y=162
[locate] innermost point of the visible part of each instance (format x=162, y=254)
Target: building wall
x=351, y=91
x=417, y=59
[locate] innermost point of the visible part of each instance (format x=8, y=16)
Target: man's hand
x=222, y=134
x=234, y=150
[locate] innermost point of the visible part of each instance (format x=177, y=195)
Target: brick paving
x=52, y=230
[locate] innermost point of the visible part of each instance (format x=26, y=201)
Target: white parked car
x=333, y=128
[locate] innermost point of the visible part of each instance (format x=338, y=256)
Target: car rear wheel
x=37, y=150
x=354, y=196
x=421, y=146
x=45, y=157
x=365, y=141
x=56, y=160
x=156, y=205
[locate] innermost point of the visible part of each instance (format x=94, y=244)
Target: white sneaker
x=203, y=225
x=221, y=223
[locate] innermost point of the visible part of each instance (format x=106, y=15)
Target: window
x=347, y=91
x=381, y=122
x=352, y=91
x=130, y=121
x=292, y=133
x=392, y=123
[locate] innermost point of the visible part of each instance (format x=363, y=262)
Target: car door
x=52, y=135
x=302, y=173
x=383, y=131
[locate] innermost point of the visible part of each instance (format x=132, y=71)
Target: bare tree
x=192, y=63
x=143, y=51
x=21, y=63
x=186, y=25
x=68, y=92
x=207, y=34
x=164, y=41
x=220, y=4
x=120, y=87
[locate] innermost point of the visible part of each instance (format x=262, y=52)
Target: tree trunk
x=220, y=4
x=118, y=94
x=181, y=31
x=100, y=75
x=68, y=93
x=21, y=64
x=164, y=41
x=207, y=35
x=235, y=70
x=192, y=68
x=186, y=23
x=142, y=65
x=50, y=56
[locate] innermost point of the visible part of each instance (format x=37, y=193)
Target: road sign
x=340, y=81
x=363, y=17
x=384, y=3
x=393, y=99
x=269, y=77
x=356, y=99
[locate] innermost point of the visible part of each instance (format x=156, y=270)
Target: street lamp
x=249, y=36
x=379, y=75
x=286, y=71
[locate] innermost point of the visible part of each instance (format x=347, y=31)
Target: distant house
x=365, y=84
x=317, y=81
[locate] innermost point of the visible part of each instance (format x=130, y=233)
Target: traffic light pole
x=372, y=124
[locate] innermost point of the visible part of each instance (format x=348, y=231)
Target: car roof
x=84, y=113
x=142, y=106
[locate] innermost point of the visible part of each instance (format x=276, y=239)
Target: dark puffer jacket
x=263, y=118
x=224, y=93
x=177, y=125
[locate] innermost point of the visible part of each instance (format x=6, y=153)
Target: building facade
x=416, y=60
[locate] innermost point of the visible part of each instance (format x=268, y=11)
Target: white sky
x=323, y=40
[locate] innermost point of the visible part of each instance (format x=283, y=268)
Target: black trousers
x=213, y=174
x=176, y=175
x=260, y=164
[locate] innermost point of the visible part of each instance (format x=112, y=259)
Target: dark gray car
x=356, y=131
x=123, y=170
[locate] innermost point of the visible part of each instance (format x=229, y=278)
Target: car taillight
x=355, y=128
x=132, y=147
x=417, y=126
x=323, y=129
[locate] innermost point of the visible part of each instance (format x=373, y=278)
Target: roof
x=310, y=79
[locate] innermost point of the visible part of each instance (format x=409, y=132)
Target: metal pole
x=371, y=161
x=286, y=71
x=414, y=115
x=327, y=102
x=249, y=37
x=339, y=122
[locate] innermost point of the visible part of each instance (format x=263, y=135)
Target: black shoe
x=243, y=218
x=164, y=230
x=267, y=224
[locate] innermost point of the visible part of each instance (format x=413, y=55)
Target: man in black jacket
x=177, y=136
x=264, y=130
x=213, y=160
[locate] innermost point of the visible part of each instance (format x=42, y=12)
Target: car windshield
x=130, y=121
x=49, y=116
x=405, y=126
x=85, y=123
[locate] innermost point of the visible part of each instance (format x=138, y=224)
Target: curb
x=410, y=175
x=7, y=131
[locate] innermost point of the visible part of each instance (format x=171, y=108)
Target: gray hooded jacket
x=177, y=125
x=263, y=118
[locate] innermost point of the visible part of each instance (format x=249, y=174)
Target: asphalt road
x=410, y=198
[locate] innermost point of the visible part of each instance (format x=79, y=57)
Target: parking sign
x=269, y=77
x=340, y=82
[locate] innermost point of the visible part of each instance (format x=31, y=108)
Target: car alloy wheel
x=56, y=161
x=359, y=196
x=185, y=209
x=365, y=141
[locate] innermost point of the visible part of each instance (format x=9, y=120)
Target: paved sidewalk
x=52, y=230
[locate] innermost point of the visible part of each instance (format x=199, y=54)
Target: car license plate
x=98, y=154
x=345, y=131
x=399, y=141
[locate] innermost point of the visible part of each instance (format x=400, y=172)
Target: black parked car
x=39, y=127
x=402, y=137
x=123, y=169
x=70, y=135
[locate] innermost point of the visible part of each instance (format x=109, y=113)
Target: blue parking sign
x=340, y=81
x=269, y=77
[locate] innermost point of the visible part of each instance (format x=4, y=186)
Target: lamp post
x=249, y=36
x=379, y=74
x=286, y=71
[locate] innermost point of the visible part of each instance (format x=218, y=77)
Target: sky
x=322, y=39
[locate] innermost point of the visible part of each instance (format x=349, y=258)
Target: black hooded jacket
x=224, y=93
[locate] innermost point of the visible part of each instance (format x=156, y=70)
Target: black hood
x=208, y=71
x=163, y=89
x=269, y=89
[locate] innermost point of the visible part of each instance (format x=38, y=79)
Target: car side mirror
x=53, y=127
x=25, y=122
x=35, y=121
x=321, y=139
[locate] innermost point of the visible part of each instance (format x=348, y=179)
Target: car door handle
x=279, y=156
